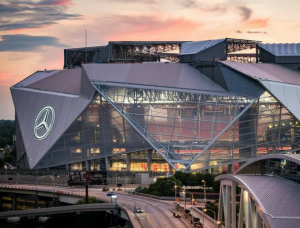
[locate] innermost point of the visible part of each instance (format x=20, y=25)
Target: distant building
x=160, y=106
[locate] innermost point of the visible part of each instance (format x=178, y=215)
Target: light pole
x=203, y=181
x=175, y=186
x=205, y=210
x=218, y=222
x=192, y=202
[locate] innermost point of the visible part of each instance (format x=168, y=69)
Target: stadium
x=160, y=107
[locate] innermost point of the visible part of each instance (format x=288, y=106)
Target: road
x=157, y=213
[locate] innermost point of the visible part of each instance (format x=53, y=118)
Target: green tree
x=3, y=142
x=91, y=200
x=2, y=163
x=8, y=158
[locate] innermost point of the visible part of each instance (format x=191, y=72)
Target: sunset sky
x=33, y=34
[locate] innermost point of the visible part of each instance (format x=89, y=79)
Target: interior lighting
x=270, y=126
x=283, y=124
x=291, y=123
x=275, y=125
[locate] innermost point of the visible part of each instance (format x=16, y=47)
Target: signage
x=92, y=177
x=44, y=122
x=113, y=195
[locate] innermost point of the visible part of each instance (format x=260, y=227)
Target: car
x=104, y=189
x=120, y=189
x=176, y=215
x=139, y=210
x=131, y=192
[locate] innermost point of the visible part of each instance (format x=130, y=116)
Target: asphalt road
x=156, y=213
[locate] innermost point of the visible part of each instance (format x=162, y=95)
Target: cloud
x=148, y=27
x=258, y=23
x=252, y=32
x=245, y=12
x=23, y=43
x=18, y=15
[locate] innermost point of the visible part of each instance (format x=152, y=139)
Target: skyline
x=34, y=33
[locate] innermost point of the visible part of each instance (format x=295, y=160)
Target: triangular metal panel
x=86, y=88
x=37, y=76
x=287, y=94
x=29, y=103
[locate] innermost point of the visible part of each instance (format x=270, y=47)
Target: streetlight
x=205, y=210
x=192, y=200
x=175, y=186
x=203, y=181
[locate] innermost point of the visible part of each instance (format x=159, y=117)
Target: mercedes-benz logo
x=44, y=122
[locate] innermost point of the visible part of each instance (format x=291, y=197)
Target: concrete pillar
x=87, y=166
x=0, y=202
x=36, y=201
x=14, y=202
x=68, y=167
x=149, y=159
x=128, y=162
x=107, y=163
x=170, y=170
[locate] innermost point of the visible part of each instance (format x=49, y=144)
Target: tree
x=2, y=163
x=91, y=200
x=8, y=158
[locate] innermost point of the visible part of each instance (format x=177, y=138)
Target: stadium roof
x=173, y=75
x=278, y=198
x=266, y=71
x=35, y=77
x=282, y=49
x=197, y=46
x=66, y=81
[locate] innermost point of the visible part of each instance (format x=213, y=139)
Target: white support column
x=246, y=208
x=258, y=220
x=107, y=163
x=253, y=214
x=241, y=213
x=128, y=162
x=233, y=204
x=228, y=207
x=220, y=210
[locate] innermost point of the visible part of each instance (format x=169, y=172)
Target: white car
x=139, y=210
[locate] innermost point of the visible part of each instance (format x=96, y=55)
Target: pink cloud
x=258, y=23
x=148, y=28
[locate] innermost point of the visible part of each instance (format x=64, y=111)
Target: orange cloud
x=258, y=23
x=17, y=31
x=149, y=28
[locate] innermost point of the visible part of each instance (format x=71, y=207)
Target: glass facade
x=181, y=127
x=283, y=168
x=98, y=132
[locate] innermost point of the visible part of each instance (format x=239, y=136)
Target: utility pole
x=85, y=46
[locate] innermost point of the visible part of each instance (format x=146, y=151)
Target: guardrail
x=59, y=210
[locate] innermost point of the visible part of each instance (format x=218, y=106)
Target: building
x=269, y=193
x=160, y=106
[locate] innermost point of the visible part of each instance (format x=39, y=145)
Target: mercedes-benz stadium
x=160, y=106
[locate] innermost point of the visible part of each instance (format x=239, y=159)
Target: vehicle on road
x=120, y=189
x=176, y=215
x=131, y=192
x=139, y=210
x=104, y=189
